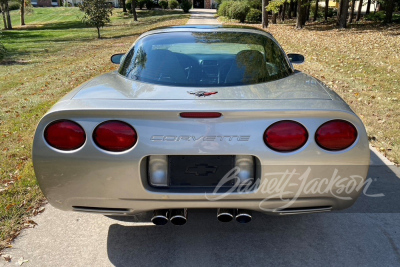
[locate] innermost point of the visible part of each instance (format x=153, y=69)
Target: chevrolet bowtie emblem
x=201, y=170
x=202, y=93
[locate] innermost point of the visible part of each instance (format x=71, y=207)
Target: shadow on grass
x=364, y=26
x=13, y=62
x=74, y=24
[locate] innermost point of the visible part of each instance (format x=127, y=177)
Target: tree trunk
x=326, y=9
x=274, y=16
x=280, y=12
x=389, y=11
x=9, y=25
x=264, y=3
x=283, y=11
x=342, y=14
x=98, y=32
x=368, y=7
x=123, y=6
x=306, y=11
x=22, y=12
x=316, y=10
x=4, y=15
x=294, y=10
x=360, y=4
x=353, y=3
x=300, y=14
x=290, y=9
x=134, y=10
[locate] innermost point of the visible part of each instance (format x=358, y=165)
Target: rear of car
x=202, y=118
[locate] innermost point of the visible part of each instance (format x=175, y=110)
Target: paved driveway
x=202, y=16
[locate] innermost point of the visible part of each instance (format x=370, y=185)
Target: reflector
x=200, y=115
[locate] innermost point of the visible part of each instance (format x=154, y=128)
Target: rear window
x=205, y=59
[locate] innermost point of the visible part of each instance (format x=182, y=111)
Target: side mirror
x=296, y=58
x=116, y=59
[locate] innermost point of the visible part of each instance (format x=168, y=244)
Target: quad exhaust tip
x=225, y=215
x=178, y=216
x=160, y=217
x=243, y=216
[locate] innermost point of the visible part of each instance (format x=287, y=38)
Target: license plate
x=199, y=171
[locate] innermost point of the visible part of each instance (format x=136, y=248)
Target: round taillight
x=115, y=136
x=336, y=135
x=65, y=135
x=285, y=136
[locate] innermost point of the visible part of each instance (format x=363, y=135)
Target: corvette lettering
x=209, y=138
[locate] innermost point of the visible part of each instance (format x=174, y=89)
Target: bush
x=173, y=4
x=149, y=4
x=255, y=4
x=378, y=16
x=141, y=3
x=254, y=15
x=223, y=9
x=186, y=5
x=3, y=52
x=14, y=6
x=163, y=4
x=239, y=10
x=128, y=5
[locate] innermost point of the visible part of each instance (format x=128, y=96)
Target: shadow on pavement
x=365, y=234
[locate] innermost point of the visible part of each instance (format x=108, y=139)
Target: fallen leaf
x=7, y=257
x=21, y=261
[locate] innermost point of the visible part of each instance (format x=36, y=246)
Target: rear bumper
x=92, y=178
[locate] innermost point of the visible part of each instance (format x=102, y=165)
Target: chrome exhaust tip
x=160, y=217
x=178, y=216
x=225, y=215
x=243, y=216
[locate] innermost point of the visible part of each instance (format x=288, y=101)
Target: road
x=366, y=234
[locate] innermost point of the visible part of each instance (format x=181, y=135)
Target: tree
x=123, y=6
x=133, y=9
x=326, y=9
x=360, y=4
x=264, y=5
x=6, y=14
x=368, y=7
x=22, y=12
x=353, y=3
x=389, y=11
x=97, y=13
x=342, y=14
x=316, y=10
x=301, y=14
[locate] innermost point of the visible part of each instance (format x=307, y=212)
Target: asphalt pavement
x=366, y=234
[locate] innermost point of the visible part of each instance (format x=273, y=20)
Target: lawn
x=361, y=65
x=46, y=59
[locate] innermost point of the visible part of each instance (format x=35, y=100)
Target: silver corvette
x=202, y=117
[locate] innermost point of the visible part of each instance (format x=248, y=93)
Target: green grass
x=47, y=58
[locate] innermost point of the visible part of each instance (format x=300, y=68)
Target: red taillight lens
x=65, y=135
x=115, y=136
x=336, y=135
x=200, y=115
x=285, y=136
